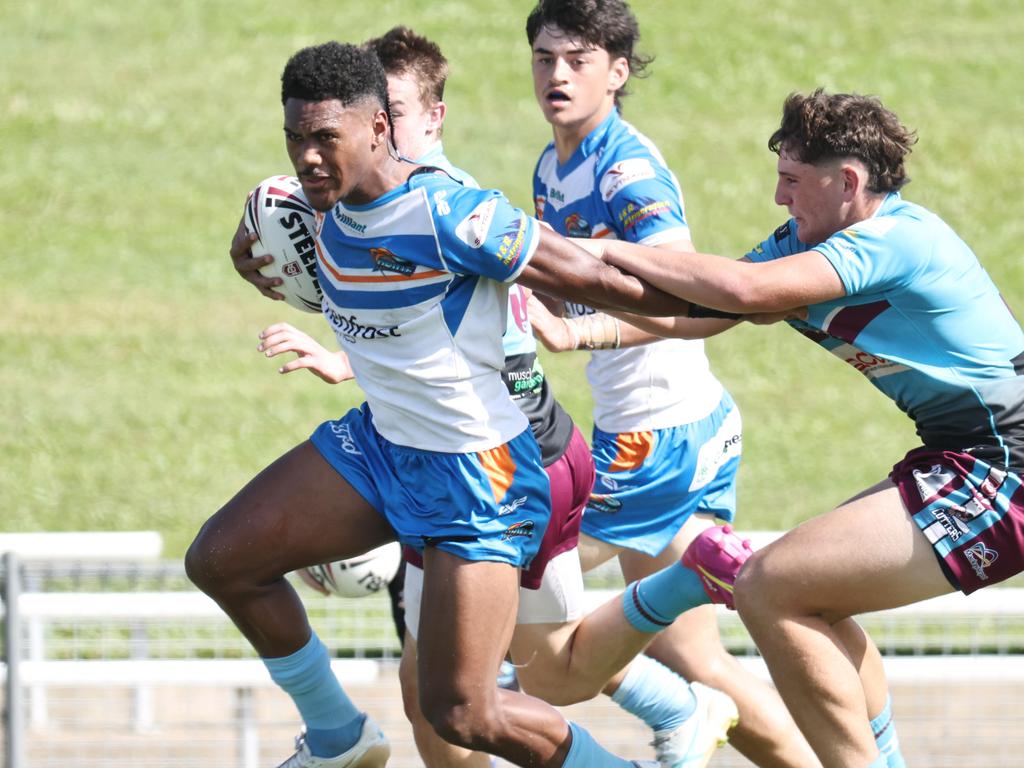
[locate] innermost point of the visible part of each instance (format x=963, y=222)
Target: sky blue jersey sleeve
x=877, y=255
x=644, y=200
x=481, y=233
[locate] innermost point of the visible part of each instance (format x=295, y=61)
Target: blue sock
x=587, y=753
x=884, y=728
x=655, y=694
x=654, y=602
x=333, y=724
x=878, y=762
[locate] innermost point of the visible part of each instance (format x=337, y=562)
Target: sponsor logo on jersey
x=385, y=261
x=633, y=214
x=610, y=483
x=624, y=173
x=522, y=528
x=980, y=557
x=512, y=243
x=600, y=502
x=512, y=506
x=441, y=204
x=347, y=221
x=781, y=233
x=556, y=195
x=576, y=226
x=352, y=330
x=872, y=366
x=473, y=229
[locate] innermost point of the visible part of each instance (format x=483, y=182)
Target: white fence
x=123, y=663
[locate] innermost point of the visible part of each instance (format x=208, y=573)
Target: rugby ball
x=278, y=214
x=359, y=576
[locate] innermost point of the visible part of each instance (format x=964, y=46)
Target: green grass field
x=134, y=397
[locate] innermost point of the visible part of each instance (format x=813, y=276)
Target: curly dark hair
x=822, y=127
x=607, y=24
x=334, y=70
x=407, y=54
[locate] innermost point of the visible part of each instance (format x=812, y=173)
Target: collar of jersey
x=591, y=142
x=406, y=186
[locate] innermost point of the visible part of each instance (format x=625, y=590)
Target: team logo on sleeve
x=624, y=173
x=577, y=226
x=782, y=232
x=473, y=229
x=538, y=206
x=632, y=215
x=385, y=261
x=512, y=243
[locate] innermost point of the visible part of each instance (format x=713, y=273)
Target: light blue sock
x=654, y=602
x=333, y=724
x=884, y=728
x=879, y=762
x=655, y=694
x=587, y=753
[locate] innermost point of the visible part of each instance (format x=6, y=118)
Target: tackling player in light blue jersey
x=890, y=289
x=415, y=268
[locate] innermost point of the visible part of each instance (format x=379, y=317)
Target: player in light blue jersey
x=667, y=436
x=890, y=289
x=415, y=268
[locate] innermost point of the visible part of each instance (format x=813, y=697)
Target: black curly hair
x=334, y=70
x=823, y=126
x=607, y=24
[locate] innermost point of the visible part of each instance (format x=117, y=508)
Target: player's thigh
x=594, y=552
x=542, y=654
x=297, y=512
x=865, y=555
x=467, y=615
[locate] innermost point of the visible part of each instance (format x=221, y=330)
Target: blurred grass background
x=132, y=131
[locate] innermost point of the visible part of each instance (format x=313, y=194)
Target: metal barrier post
x=14, y=716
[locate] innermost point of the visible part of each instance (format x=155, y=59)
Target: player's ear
x=381, y=128
x=435, y=116
x=618, y=73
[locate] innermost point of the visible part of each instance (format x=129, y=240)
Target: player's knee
x=750, y=592
x=208, y=562
x=470, y=723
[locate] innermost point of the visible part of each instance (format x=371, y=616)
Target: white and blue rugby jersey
x=617, y=185
x=924, y=322
x=523, y=373
x=415, y=289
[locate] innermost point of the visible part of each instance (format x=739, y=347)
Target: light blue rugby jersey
x=415, y=288
x=924, y=322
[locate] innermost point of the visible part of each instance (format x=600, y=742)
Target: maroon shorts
x=572, y=479
x=971, y=513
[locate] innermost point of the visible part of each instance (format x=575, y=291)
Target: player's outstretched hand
x=552, y=331
x=248, y=265
x=277, y=339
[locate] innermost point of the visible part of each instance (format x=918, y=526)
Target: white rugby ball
x=359, y=576
x=278, y=214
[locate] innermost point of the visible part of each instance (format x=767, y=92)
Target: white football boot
x=371, y=751
x=692, y=744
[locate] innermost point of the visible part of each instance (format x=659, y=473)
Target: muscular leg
x=863, y=556
x=434, y=751
x=467, y=617
x=297, y=512
x=692, y=647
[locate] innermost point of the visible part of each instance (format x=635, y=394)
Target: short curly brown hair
x=822, y=127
